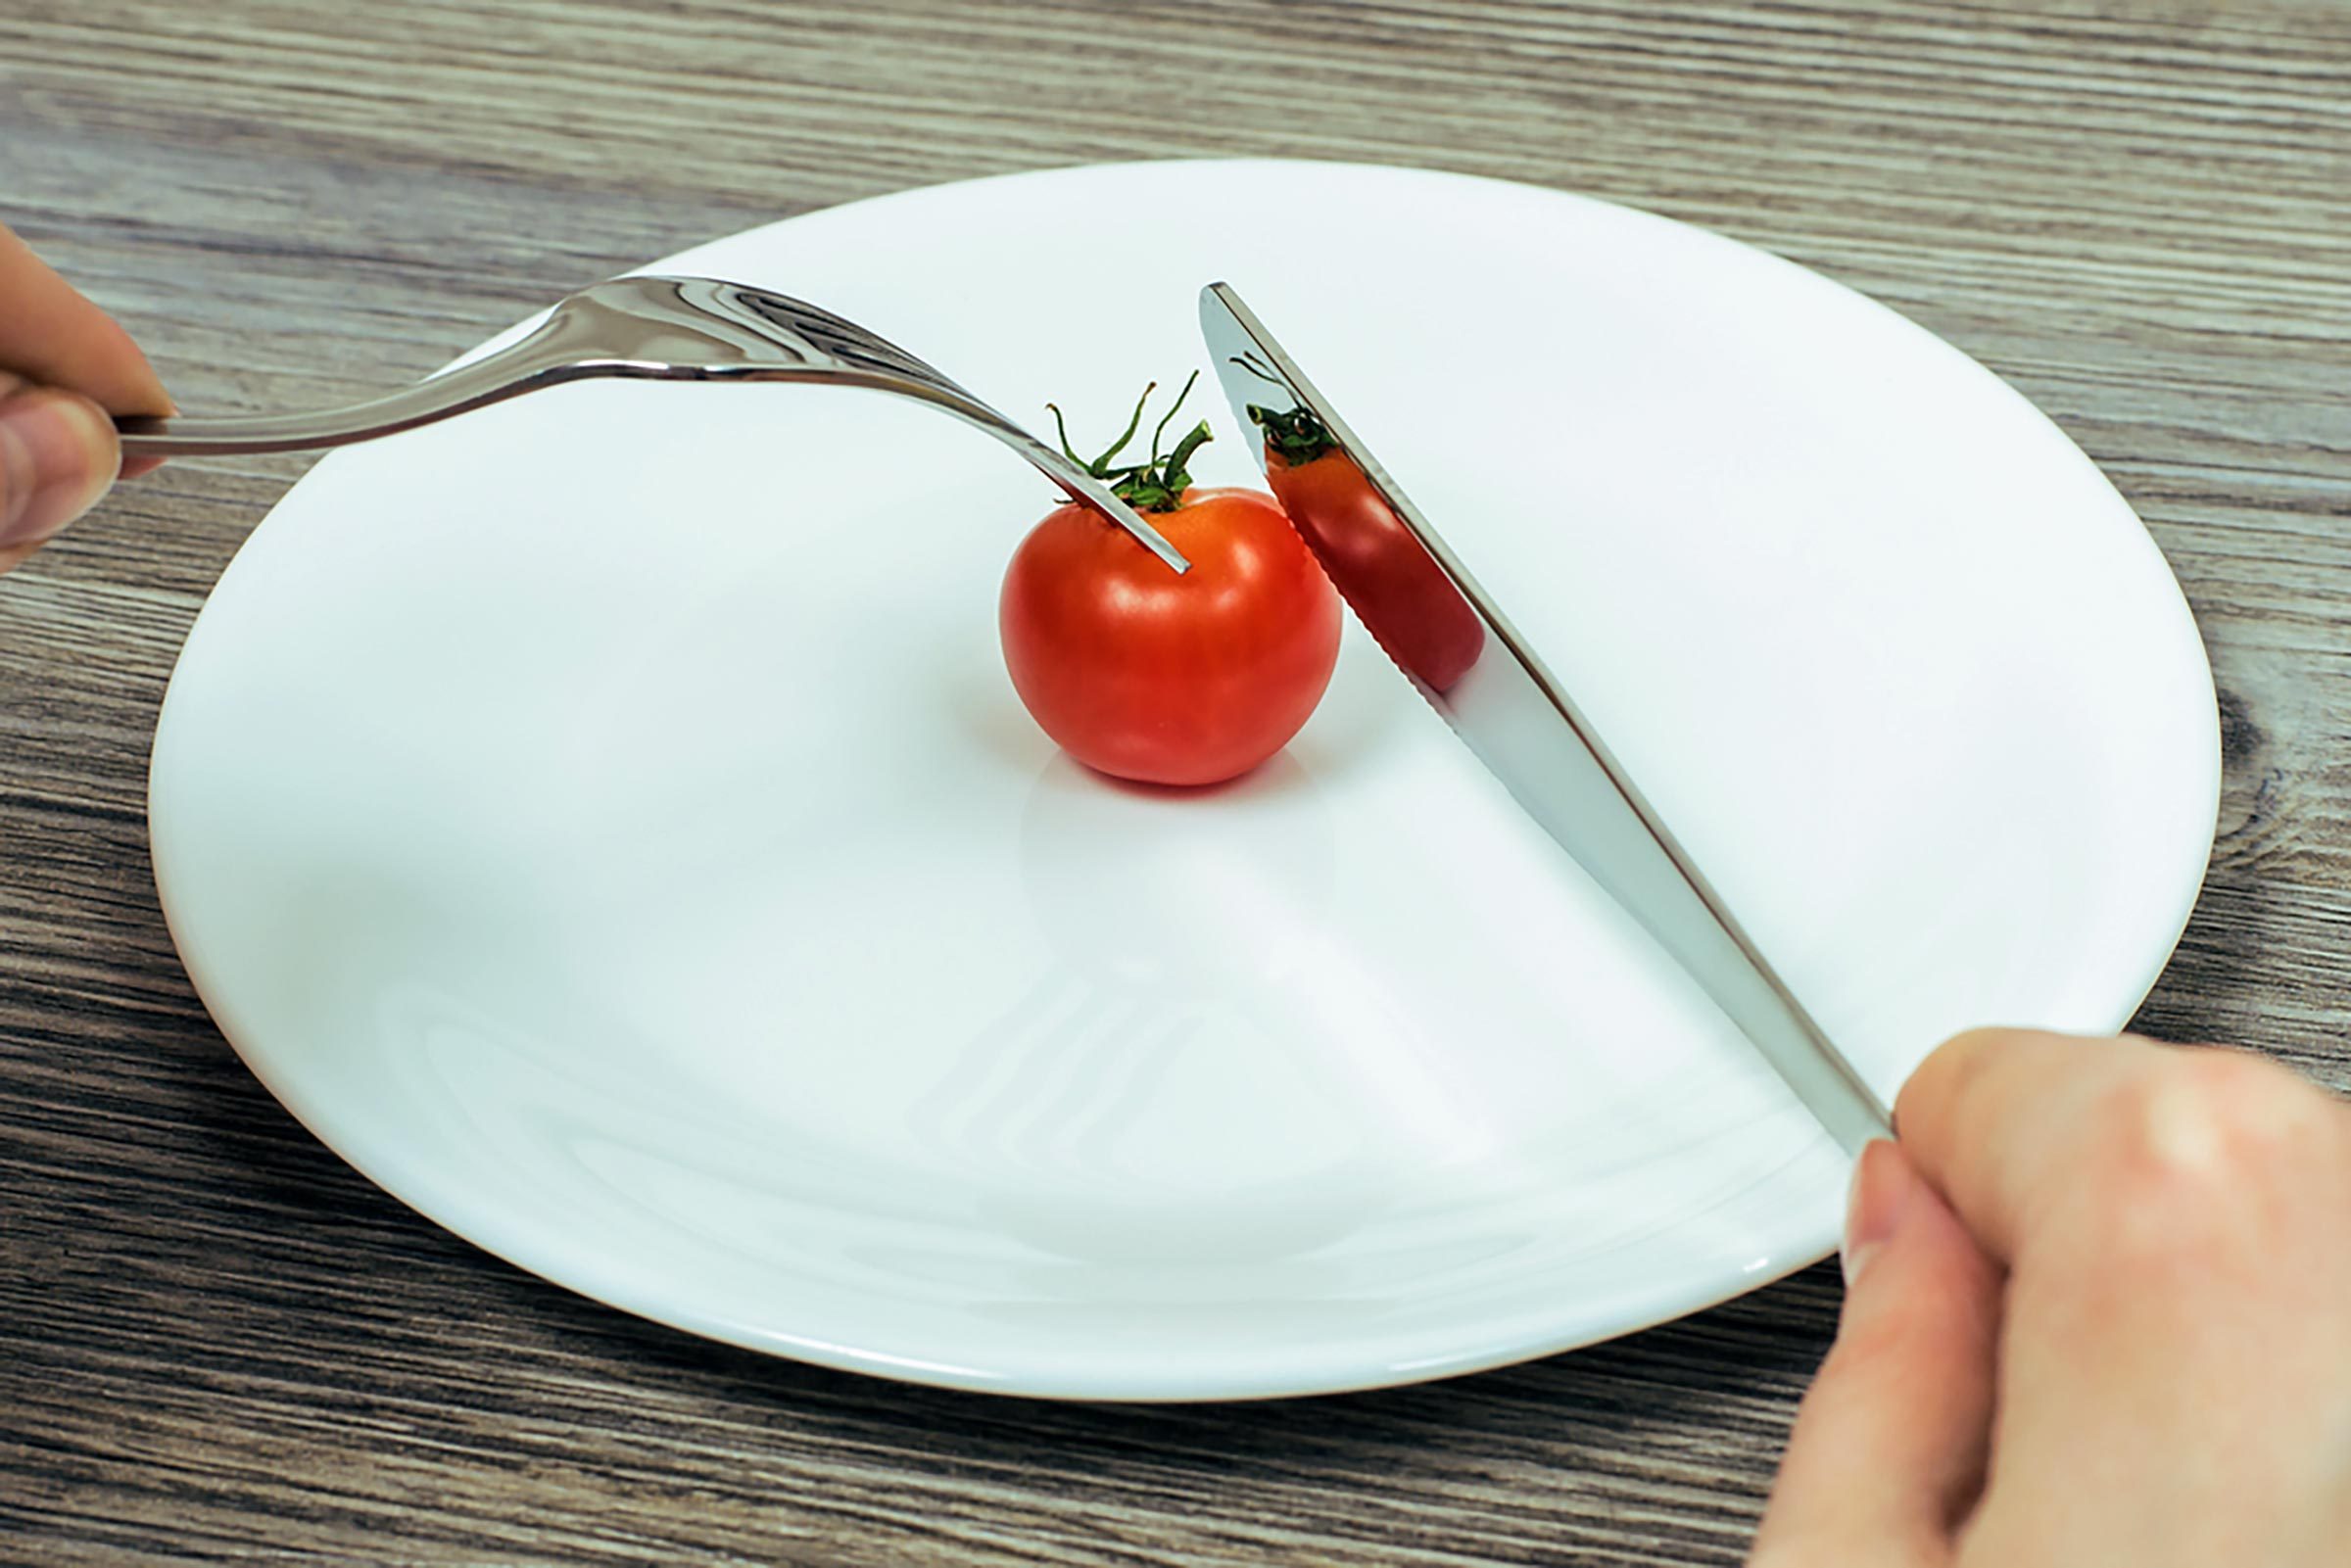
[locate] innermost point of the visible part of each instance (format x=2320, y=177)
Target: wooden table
x=217, y=1339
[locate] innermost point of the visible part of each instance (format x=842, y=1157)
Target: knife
x=1451, y=639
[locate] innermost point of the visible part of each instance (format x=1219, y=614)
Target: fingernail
x=1881, y=1191
x=53, y=463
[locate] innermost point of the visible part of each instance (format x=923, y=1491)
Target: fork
x=649, y=329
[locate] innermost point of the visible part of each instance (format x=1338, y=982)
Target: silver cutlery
x=1451, y=639
x=649, y=329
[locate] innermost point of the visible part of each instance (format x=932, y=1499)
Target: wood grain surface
x=216, y=1341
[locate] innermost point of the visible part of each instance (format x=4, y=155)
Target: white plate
x=605, y=819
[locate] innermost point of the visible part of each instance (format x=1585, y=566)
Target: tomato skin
x=1403, y=593
x=1170, y=678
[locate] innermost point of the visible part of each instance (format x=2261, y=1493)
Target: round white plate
x=605, y=819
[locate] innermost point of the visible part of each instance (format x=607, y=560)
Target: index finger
x=49, y=334
x=1994, y=1115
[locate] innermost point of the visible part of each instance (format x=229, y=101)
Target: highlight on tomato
x=1147, y=673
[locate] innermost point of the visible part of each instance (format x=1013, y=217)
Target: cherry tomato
x=1169, y=679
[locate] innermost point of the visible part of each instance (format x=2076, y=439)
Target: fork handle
x=631, y=337
x=493, y=378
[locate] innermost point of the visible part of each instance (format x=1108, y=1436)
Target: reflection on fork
x=649, y=329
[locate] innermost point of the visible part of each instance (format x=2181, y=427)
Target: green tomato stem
x=1158, y=484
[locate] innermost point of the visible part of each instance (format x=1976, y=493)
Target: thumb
x=1888, y=1450
x=58, y=454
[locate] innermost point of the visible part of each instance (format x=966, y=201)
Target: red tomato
x=1403, y=593
x=1169, y=679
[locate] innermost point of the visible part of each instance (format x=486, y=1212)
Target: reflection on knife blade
x=1366, y=548
x=1448, y=635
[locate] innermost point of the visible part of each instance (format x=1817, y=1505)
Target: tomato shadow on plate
x=1119, y=874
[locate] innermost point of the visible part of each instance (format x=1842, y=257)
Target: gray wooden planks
x=216, y=1341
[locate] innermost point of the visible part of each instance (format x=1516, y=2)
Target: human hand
x=64, y=368
x=2099, y=1311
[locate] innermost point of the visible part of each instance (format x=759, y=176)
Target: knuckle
x=2190, y=1146
x=2215, y=1114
